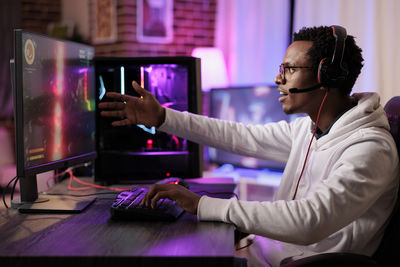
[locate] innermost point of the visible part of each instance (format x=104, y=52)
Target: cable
x=85, y=195
x=13, y=189
x=309, y=146
x=5, y=190
x=54, y=177
x=88, y=185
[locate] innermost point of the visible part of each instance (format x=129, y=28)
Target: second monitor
x=253, y=104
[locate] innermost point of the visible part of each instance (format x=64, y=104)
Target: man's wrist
x=161, y=117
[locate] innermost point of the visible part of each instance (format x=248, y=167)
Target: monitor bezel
x=28, y=193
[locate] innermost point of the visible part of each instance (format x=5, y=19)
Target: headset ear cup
x=332, y=72
x=344, y=72
x=328, y=75
x=322, y=69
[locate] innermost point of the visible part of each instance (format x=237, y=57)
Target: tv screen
x=135, y=152
x=256, y=104
x=54, y=106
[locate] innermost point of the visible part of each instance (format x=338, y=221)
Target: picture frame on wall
x=154, y=21
x=105, y=21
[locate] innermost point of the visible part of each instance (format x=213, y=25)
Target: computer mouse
x=173, y=180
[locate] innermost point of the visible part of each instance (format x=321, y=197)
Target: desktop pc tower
x=135, y=152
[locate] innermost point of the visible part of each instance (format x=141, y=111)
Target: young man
x=342, y=169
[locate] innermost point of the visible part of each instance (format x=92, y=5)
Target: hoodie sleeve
x=270, y=141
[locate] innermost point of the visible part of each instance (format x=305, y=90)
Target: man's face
x=300, y=76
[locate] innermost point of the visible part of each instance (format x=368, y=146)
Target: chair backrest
x=388, y=250
x=392, y=109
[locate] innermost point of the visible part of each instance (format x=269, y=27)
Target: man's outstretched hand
x=144, y=110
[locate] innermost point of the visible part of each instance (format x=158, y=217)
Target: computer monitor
x=54, y=112
x=135, y=153
x=255, y=104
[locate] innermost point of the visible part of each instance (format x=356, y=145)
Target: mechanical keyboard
x=127, y=207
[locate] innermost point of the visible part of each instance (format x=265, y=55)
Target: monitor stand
x=57, y=203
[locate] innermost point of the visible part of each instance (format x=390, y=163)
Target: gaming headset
x=331, y=71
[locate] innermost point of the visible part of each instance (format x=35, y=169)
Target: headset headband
x=340, y=35
x=332, y=73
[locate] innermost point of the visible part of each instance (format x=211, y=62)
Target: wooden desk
x=91, y=238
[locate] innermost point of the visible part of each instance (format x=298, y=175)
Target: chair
x=387, y=253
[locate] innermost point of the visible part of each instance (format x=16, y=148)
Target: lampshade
x=213, y=68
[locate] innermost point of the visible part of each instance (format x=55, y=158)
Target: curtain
x=253, y=35
x=376, y=26
x=10, y=18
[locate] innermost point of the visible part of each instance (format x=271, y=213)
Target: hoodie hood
x=366, y=114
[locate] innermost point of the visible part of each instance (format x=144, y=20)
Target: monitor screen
x=136, y=152
x=248, y=105
x=54, y=104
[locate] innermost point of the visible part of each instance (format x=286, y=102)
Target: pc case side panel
x=120, y=161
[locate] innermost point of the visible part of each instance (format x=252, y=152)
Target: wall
x=37, y=14
x=375, y=25
x=193, y=24
x=77, y=12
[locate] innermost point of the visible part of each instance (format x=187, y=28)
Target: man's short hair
x=323, y=45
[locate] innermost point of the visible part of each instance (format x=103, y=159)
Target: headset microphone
x=296, y=90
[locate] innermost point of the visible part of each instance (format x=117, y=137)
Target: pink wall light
x=213, y=68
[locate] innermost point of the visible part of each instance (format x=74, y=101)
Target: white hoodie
x=346, y=193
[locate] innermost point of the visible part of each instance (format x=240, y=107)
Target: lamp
x=213, y=68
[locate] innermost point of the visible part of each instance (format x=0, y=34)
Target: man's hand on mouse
x=185, y=198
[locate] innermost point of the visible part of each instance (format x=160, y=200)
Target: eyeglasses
x=283, y=69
